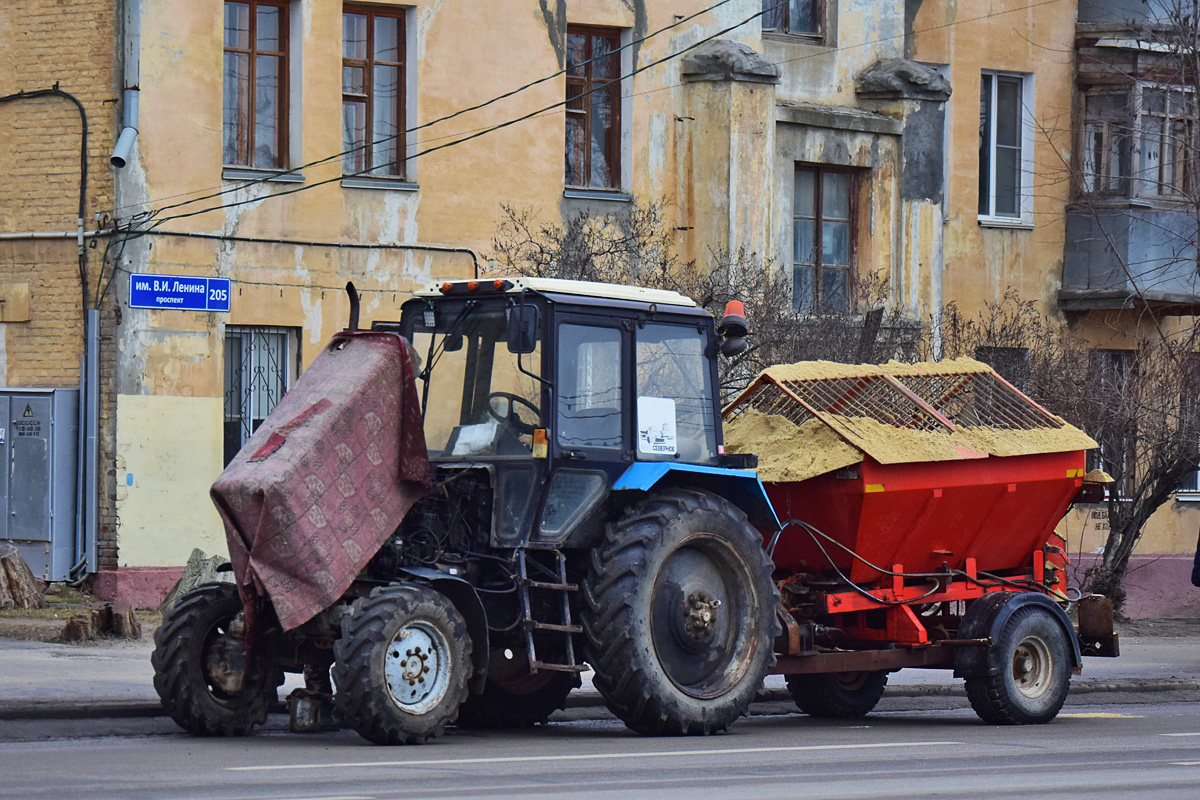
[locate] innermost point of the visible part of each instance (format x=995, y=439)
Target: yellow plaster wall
x=171, y=446
x=1019, y=36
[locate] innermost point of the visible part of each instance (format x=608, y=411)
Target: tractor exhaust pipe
x=353, y=294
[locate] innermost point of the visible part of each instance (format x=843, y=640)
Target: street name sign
x=180, y=292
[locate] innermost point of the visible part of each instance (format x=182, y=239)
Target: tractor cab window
x=475, y=399
x=675, y=412
x=589, y=387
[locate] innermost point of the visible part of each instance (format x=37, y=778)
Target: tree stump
x=19, y=587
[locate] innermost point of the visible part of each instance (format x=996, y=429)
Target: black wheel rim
x=701, y=615
x=215, y=663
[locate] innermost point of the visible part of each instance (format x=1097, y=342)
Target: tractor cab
x=557, y=387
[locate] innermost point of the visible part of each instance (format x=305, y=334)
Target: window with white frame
x=260, y=365
x=1005, y=148
x=1138, y=141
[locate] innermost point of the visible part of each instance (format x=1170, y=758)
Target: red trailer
x=917, y=508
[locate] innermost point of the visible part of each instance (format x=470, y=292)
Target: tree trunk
x=19, y=588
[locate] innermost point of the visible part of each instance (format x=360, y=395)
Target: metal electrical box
x=39, y=433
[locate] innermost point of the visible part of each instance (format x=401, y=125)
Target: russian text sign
x=179, y=292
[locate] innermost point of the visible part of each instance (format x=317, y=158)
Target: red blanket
x=326, y=478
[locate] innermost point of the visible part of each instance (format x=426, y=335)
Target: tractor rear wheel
x=680, y=614
x=837, y=694
x=1035, y=673
x=200, y=672
x=401, y=665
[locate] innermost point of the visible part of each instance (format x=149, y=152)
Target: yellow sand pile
x=793, y=453
x=786, y=451
x=809, y=370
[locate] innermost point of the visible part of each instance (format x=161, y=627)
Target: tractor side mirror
x=522, y=329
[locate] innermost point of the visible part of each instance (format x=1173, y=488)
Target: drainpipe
x=130, y=96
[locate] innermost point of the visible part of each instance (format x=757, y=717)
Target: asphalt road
x=1095, y=750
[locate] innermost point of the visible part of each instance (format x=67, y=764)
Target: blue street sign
x=179, y=292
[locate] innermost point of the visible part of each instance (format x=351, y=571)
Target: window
x=373, y=94
x=1111, y=375
x=259, y=369
x=1138, y=141
x=593, y=120
x=1006, y=148
x=255, y=93
x=1164, y=141
x=802, y=17
x=822, y=240
x=589, y=387
x=1012, y=363
x=1106, y=144
x=675, y=414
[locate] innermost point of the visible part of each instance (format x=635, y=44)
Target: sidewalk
x=59, y=681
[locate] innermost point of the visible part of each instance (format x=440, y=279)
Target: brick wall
x=72, y=43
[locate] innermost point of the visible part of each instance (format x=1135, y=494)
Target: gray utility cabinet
x=39, y=433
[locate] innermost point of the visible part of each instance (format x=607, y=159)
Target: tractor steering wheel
x=510, y=417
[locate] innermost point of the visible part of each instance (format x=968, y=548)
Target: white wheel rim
x=417, y=667
x=1032, y=666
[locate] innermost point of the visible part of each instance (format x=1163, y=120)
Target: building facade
x=289, y=146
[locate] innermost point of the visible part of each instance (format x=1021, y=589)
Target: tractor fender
x=986, y=618
x=739, y=486
x=467, y=601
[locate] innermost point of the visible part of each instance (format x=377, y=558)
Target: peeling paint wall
x=1033, y=39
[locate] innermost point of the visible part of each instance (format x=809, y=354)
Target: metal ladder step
x=566, y=626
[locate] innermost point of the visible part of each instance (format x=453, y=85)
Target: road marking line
x=437, y=762
x=1180, y=734
x=1102, y=715
x=1185, y=763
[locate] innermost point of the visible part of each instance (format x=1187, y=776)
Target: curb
x=116, y=709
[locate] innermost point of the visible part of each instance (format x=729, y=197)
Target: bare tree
x=636, y=247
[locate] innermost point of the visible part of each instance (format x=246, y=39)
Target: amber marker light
x=541, y=445
x=497, y=284
x=446, y=287
x=472, y=285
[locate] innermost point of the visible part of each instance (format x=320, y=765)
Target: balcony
x=1130, y=257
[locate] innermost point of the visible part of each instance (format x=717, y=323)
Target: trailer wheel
x=837, y=694
x=680, y=614
x=198, y=666
x=516, y=698
x=1032, y=684
x=401, y=665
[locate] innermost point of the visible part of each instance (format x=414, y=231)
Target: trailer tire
x=837, y=694
x=401, y=665
x=679, y=614
x=520, y=703
x=1035, y=673
x=187, y=647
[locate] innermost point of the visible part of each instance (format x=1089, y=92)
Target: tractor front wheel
x=680, y=614
x=837, y=694
x=1035, y=673
x=401, y=665
x=200, y=669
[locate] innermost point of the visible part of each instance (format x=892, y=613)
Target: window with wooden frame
x=593, y=146
x=1165, y=140
x=1113, y=374
x=1138, y=141
x=801, y=17
x=255, y=87
x=823, y=234
x=1106, y=143
x=373, y=95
